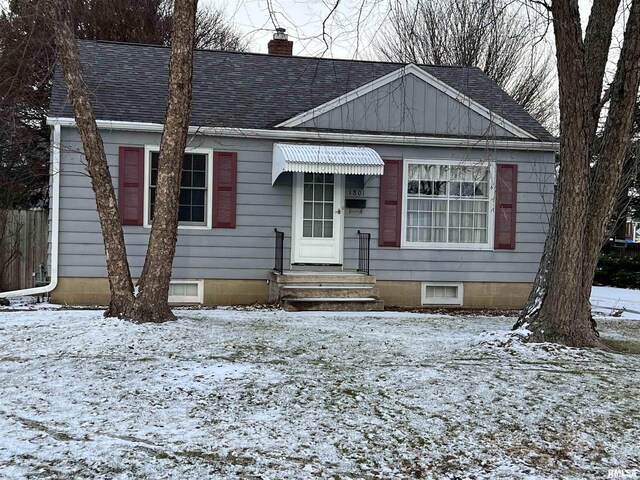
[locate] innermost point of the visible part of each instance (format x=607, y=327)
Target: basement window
x=442, y=293
x=186, y=291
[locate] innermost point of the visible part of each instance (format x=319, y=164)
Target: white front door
x=318, y=209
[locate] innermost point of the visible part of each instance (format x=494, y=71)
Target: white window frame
x=191, y=299
x=148, y=150
x=441, y=300
x=444, y=245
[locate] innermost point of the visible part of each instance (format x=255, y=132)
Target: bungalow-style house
x=323, y=183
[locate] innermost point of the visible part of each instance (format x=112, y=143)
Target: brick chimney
x=280, y=45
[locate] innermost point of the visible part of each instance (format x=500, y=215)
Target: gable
x=408, y=101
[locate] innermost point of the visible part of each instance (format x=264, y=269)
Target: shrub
x=617, y=271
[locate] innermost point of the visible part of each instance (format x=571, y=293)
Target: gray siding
x=535, y=189
x=246, y=252
x=408, y=105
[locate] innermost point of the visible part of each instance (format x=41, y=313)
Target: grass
x=630, y=347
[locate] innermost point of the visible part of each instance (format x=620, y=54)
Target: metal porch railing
x=364, y=251
x=279, y=253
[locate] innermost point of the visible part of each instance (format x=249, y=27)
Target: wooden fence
x=622, y=249
x=23, y=247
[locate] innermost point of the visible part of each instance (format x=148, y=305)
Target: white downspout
x=55, y=216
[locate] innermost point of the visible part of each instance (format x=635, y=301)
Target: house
x=412, y=184
x=632, y=230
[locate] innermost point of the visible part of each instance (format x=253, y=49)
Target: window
x=186, y=291
x=442, y=293
x=447, y=205
x=317, y=216
x=194, y=209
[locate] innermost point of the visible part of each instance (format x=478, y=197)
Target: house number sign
x=354, y=193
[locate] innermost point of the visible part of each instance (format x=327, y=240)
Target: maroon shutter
x=390, y=204
x=225, y=176
x=506, y=198
x=131, y=185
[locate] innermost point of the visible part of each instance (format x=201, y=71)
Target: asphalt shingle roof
x=128, y=82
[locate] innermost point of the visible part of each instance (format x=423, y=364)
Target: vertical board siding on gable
x=386, y=109
x=246, y=252
x=392, y=107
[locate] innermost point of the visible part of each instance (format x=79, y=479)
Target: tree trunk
x=558, y=309
x=151, y=304
x=622, y=202
x=120, y=283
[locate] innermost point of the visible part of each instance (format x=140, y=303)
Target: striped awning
x=325, y=159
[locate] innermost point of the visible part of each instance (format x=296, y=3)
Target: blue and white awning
x=325, y=159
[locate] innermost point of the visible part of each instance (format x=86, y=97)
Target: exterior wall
x=476, y=294
x=408, y=105
x=535, y=195
x=95, y=291
x=246, y=252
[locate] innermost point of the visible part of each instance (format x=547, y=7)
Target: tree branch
x=597, y=41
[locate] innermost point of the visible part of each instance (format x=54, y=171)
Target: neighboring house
x=632, y=230
x=451, y=178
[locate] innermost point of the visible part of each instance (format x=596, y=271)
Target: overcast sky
x=350, y=32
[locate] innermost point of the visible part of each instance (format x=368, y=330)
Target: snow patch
x=616, y=302
x=272, y=394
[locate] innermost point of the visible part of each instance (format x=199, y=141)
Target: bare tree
x=9, y=246
x=151, y=304
x=558, y=309
x=27, y=61
x=118, y=272
x=626, y=199
x=493, y=35
x=24, y=135
x=627, y=202
x=152, y=300
x=213, y=31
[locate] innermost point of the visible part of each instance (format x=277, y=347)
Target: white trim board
x=315, y=136
x=411, y=69
x=146, y=223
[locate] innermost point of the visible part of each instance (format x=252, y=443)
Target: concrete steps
x=327, y=291
x=366, y=304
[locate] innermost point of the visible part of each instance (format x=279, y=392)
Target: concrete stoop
x=328, y=291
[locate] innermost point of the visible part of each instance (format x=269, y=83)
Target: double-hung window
x=194, y=208
x=448, y=204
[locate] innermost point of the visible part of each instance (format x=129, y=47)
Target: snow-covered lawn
x=622, y=301
x=268, y=394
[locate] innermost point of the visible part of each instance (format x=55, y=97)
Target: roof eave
x=335, y=137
